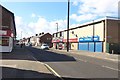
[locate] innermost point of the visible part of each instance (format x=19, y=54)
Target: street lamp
x=94, y=35
x=68, y=26
x=57, y=27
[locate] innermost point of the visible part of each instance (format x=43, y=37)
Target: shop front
x=73, y=43
x=90, y=43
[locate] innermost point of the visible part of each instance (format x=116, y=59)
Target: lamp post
x=21, y=34
x=68, y=26
x=57, y=26
x=94, y=35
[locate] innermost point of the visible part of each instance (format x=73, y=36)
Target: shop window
x=4, y=41
x=60, y=34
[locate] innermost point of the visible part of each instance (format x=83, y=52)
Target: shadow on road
x=14, y=73
x=27, y=53
x=20, y=74
x=48, y=56
x=17, y=54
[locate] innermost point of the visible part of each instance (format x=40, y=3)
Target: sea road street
x=32, y=62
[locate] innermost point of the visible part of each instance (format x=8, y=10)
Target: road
x=76, y=67
x=21, y=64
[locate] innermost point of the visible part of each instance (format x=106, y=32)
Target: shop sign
x=71, y=40
x=5, y=32
x=55, y=40
x=89, y=39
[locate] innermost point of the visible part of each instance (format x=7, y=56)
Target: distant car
x=29, y=44
x=44, y=46
x=17, y=43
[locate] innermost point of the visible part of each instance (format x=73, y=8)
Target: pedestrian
x=21, y=45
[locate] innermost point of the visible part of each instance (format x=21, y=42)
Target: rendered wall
x=74, y=46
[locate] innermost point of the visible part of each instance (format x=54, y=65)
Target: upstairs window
x=4, y=41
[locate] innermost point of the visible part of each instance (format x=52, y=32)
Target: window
x=56, y=34
x=60, y=34
x=4, y=41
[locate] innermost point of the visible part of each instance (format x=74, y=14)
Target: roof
x=92, y=22
x=42, y=35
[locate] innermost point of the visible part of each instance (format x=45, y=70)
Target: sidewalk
x=21, y=64
x=100, y=55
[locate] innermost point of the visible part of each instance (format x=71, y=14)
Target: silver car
x=44, y=46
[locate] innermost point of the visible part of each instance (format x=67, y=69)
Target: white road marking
x=6, y=65
x=110, y=68
x=54, y=72
x=81, y=60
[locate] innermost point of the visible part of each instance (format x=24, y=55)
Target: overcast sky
x=36, y=16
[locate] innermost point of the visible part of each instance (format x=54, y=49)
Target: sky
x=36, y=16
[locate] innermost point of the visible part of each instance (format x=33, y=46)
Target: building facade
x=41, y=38
x=96, y=36
x=7, y=29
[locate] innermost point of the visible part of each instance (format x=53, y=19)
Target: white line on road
x=110, y=68
x=54, y=72
x=6, y=65
x=81, y=60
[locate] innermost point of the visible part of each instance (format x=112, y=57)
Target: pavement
x=20, y=64
x=100, y=55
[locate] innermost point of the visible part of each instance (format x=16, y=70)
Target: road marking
x=53, y=71
x=110, y=68
x=48, y=67
x=6, y=65
x=81, y=60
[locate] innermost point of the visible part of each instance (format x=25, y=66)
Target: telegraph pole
x=68, y=26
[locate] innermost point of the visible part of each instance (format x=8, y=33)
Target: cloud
x=22, y=29
x=75, y=2
x=83, y=17
x=41, y=25
x=91, y=9
x=33, y=15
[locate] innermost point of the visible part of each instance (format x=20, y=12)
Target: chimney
x=39, y=33
x=42, y=32
x=36, y=34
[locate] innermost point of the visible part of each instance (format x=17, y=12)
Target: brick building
x=41, y=38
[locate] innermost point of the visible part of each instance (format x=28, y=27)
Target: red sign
x=56, y=40
x=65, y=40
x=5, y=33
x=71, y=40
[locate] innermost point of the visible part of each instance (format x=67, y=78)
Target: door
x=98, y=47
x=83, y=46
x=91, y=46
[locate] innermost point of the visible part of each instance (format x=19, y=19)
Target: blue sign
x=96, y=38
x=89, y=39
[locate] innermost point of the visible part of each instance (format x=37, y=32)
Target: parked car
x=60, y=46
x=44, y=46
x=29, y=44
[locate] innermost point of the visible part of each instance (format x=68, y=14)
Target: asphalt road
x=21, y=64
x=76, y=67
